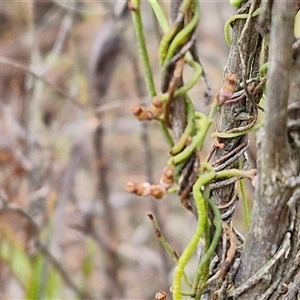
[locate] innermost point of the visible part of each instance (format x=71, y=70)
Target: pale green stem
x=245, y=204
x=235, y=173
x=166, y=134
x=197, y=142
x=160, y=15
x=170, y=33
x=244, y=199
x=183, y=35
x=210, y=251
x=203, y=180
x=225, y=135
x=185, y=88
x=188, y=129
x=232, y=19
x=139, y=31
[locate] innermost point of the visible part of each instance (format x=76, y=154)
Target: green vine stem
x=232, y=19
x=225, y=135
x=236, y=173
x=201, y=205
x=141, y=42
x=244, y=199
x=205, y=261
x=171, y=32
x=245, y=204
x=183, y=35
x=206, y=175
x=192, y=139
x=134, y=5
x=160, y=15
x=188, y=129
x=203, y=124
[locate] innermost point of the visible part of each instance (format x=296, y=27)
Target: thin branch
x=281, y=41
x=63, y=273
x=114, y=287
x=65, y=189
x=148, y=157
x=57, y=90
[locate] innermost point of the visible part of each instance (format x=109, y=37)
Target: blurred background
x=69, y=71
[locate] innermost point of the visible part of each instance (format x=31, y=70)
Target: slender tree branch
x=57, y=90
x=281, y=41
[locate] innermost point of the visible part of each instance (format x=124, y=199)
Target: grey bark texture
x=269, y=261
x=271, y=252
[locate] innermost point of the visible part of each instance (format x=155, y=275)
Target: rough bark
x=275, y=210
x=178, y=108
x=227, y=119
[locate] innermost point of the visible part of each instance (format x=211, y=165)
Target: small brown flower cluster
x=143, y=113
x=157, y=191
x=145, y=189
x=161, y=295
x=167, y=178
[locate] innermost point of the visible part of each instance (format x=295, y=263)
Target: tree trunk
x=270, y=258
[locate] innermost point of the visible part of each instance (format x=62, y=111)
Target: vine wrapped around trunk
x=207, y=188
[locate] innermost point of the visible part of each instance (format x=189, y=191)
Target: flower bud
x=157, y=191
x=140, y=112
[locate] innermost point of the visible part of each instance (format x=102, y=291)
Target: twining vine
x=184, y=173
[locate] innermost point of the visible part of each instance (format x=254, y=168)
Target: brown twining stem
x=232, y=152
x=225, y=205
x=230, y=253
x=211, y=153
x=188, y=177
x=254, y=109
x=178, y=109
x=254, y=90
x=222, y=191
x=173, y=85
